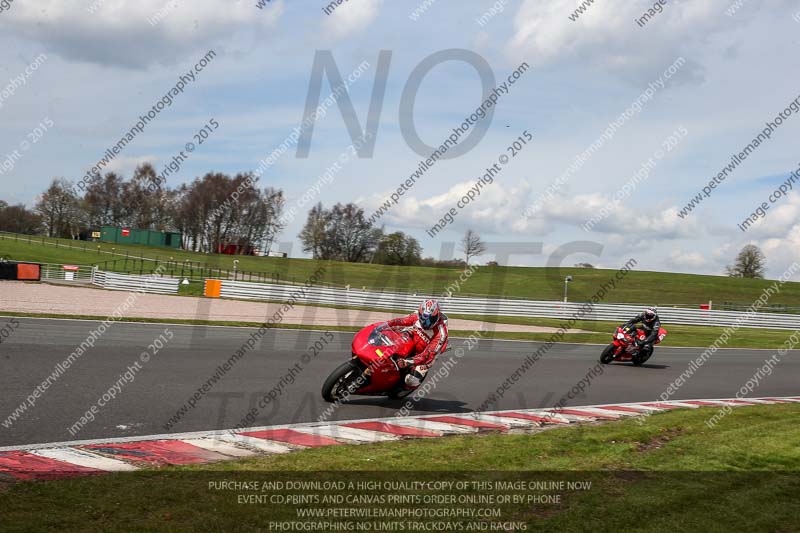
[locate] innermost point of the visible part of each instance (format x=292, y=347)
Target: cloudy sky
x=106, y=62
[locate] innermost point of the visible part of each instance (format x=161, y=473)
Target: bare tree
x=750, y=263
x=398, y=249
x=104, y=202
x=356, y=239
x=138, y=198
x=314, y=235
x=186, y=218
x=472, y=245
x=342, y=233
x=272, y=202
x=60, y=209
x=219, y=210
x=18, y=219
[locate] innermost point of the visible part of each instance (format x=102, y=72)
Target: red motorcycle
x=624, y=347
x=373, y=369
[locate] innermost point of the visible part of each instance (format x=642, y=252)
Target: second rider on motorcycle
x=428, y=329
x=651, y=324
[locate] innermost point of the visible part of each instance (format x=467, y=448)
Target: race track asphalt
x=30, y=353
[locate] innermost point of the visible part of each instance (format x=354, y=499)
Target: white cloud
x=500, y=207
x=782, y=252
x=778, y=234
x=118, y=32
x=350, y=17
x=692, y=260
x=125, y=166
x=639, y=223
x=497, y=209
x=779, y=220
x=606, y=38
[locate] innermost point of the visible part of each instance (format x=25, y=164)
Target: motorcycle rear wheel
x=400, y=392
x=340, y=380
x=641, y=358
x=608, y=354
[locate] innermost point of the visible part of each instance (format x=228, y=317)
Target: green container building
x=147, y=237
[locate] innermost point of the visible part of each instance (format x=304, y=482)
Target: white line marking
x=681, y=404
x=222, y=447
x=641, y=406
x=505, y=421
x=85, y=458
x=567, y=419
x=430, y=425
x=563, y=417
x=340, y=432
x=607, y=412
x=262, y=445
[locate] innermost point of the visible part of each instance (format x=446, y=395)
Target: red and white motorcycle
x=625, y=348
x=372, y=369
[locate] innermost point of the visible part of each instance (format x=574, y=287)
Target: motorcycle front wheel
x=341, y=381
x=608, y=354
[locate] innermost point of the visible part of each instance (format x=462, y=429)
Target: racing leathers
x=428, y=343
x=650, y=328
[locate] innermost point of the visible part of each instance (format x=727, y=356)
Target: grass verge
x=669, y=473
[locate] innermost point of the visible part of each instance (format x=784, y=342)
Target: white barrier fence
x=130, y=282
x=51, y=272
x=499, y=307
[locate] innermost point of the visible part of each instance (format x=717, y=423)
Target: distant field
x=516, y=282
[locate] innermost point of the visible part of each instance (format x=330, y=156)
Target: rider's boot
x=415, y=377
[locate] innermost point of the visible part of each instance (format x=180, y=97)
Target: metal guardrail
x=499, y=307
x=52, y=272
x=127, y=282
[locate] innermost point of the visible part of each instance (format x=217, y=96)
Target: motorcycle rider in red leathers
x=428, y=329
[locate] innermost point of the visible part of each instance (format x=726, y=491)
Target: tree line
x=218, y=209
x=215, y=210
x=212, y=210
x=344, y=233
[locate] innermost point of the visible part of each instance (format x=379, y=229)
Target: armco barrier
x=492, y=307
x=79, y=273
x=127, y=282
